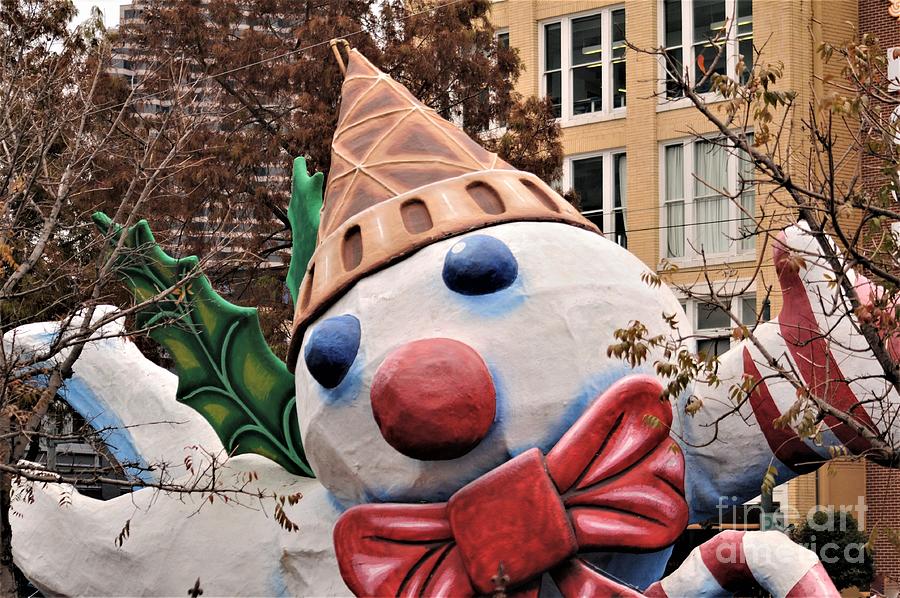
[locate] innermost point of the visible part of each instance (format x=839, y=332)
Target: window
x=503, y=39
x=462, y=113
x=693, y=32
x=697, y=213
x=600, y=181
x=712, y=326
x=583, y=64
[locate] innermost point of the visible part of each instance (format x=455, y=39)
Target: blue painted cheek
x=331, y=349
x=479, y=265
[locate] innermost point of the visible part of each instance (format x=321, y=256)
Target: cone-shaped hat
x=387, y=143
x=402, y=178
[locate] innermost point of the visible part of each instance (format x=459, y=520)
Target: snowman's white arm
x=132, y=400
x=728, y=449
x=67, y=543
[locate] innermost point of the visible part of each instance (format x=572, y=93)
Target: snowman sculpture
x=467, y=430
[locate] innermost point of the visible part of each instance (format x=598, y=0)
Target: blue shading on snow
x=116, y=437
x=335, y=502
x=492, y=305
x=277, y=584
x=591, y=389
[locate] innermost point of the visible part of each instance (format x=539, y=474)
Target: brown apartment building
x=632, y=156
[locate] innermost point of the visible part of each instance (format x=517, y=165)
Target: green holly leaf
x=303, y=214
x=226, y=371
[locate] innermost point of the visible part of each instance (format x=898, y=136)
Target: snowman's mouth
x=433, y=399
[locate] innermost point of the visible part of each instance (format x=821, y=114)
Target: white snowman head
x=456, y=312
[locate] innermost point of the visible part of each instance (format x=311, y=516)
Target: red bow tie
x=614, y=481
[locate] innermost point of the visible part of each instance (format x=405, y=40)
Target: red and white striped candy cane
x=733, y=560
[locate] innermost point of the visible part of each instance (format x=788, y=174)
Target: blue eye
x=331, y=349
x=479, y=265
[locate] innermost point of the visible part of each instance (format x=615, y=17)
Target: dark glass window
x=711, y=316
x=587, y=71
x=620, y=169
x=552, y=64
x=673, y=42
x=618, y=57
x=745, y=35
x=672, y=18
x=707, y=348
x=587, y=177
x=748, y=310
x=709, y=39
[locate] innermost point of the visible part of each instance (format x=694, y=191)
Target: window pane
x=672, y=17
x=745, y=183
x=744, y=14
x=621, y=173
x=618, y=69
x=618, y=58
x=709, y=19
x=587, y=176
x=708, y=348
x=711, y=168
x=554, y=91
x=674, y=62
x=747, y=230
x=711, y=208
x=618, y=26
x=552, y=46
x=711, y=316
x=587, y=89
x=745, y=49
x=675, y=229
x=712, y=224
x=708, y=59
x=745, y=34
x=503, y=39
x=674, y=173
x=748, y=310
x=586, y=40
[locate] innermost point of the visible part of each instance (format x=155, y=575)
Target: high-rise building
x=231, y=252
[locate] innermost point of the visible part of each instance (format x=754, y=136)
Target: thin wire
x=269, y=59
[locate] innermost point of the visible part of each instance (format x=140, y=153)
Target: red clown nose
x=433, y=399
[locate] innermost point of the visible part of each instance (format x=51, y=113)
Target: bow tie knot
x=614, y=481
x=514, y=510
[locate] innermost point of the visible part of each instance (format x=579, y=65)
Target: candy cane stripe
x=735, y=560
x=784, y=443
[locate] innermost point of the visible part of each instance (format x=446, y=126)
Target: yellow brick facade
x=789, y=30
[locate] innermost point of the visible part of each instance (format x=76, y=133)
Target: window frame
x=609, y=188
x=607, y=112
x=687, y=49
x=743, y=251
x=691, y=308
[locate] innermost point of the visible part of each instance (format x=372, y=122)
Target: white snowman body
x=544, y=340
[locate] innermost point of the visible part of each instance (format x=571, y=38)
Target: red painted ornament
x=433, y=399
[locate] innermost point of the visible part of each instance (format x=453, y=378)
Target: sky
x=110, y=9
